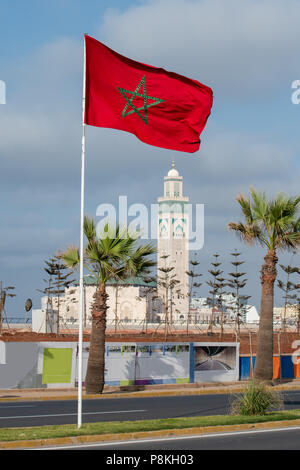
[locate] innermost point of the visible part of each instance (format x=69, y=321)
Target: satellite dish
x=28, y=305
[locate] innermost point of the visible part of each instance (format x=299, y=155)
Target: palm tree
x=113, y=255
x=275, y=225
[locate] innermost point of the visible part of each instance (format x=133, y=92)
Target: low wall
x=54, y=364
x=37, y=365
x=285, y=367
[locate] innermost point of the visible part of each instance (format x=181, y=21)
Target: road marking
x=18, y=406
x=73, y=414
x=178, y=438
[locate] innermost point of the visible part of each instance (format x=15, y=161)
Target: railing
x=17, y=320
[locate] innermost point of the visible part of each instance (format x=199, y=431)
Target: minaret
x=173, y=240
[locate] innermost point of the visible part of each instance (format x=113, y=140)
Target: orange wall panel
x=276, y=366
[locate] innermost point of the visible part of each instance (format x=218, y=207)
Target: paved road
x=281, y=439
x=144, y=451
x=18, y=414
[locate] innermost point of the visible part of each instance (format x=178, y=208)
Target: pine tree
x=220, y=301
x=192, y=285
x=167, y=280
x=297, y=299
x=237, y=282
x=150, y=293
x=61, y=281
x=57, y=282
x=48, y=290
x=4, y=293
x=214, y=284
x=287, y=287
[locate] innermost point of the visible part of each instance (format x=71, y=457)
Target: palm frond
x=89, y=228
x=246, y=208
x=71, y=257
x=247, y=233
x=259, y=204
x=271, y=223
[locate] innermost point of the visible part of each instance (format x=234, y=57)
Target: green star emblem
x=129, y=101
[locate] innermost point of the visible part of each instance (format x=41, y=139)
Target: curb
x=124, y=395
x=140, y=394
x=147, y=434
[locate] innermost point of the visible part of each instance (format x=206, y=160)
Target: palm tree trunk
x=263, y=370
x=94, y=380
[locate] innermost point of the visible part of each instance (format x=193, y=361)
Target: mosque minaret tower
x=173, y=242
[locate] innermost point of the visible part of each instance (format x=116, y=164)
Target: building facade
x=130, y=302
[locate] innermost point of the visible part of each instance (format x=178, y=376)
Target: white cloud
x=242, y=49
x=239, y=48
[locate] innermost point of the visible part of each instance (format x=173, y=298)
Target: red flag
x=161, y=108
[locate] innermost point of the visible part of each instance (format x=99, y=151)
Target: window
x=176, y=189
x=143, y=350
x=128, y=349
x=170, y=348
x=114, y=349
x=157, y=349
x=182, y=348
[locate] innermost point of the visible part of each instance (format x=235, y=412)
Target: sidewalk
x=135, y=391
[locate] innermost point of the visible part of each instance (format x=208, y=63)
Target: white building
x=203, y=313
x=252, y=315
x=129, y=302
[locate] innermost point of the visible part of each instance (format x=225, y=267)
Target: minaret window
x=167, y=189
x=176, y=189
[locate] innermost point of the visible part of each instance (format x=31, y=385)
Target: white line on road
x=178, y=438
x=18, y=406
x=73, y=414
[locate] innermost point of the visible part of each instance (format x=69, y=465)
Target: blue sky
x=247, y=52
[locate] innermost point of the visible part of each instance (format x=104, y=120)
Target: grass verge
x=118, y=427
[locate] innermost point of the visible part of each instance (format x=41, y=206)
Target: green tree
x=296, y=297
x=213, y=300
x=4, y=293
x=57, y=282
x=61, y=281
x=192, y=285
x=220, y=302
x=237, y=282
x=112, y=255
x=275, y=225
x=167, y=281
x=286, y=287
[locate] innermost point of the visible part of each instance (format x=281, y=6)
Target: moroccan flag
x=161, y=108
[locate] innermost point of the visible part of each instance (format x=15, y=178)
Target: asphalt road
x=39, y=413
x=271, y=439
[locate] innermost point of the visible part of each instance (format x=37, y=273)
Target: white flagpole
x=81, y=298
